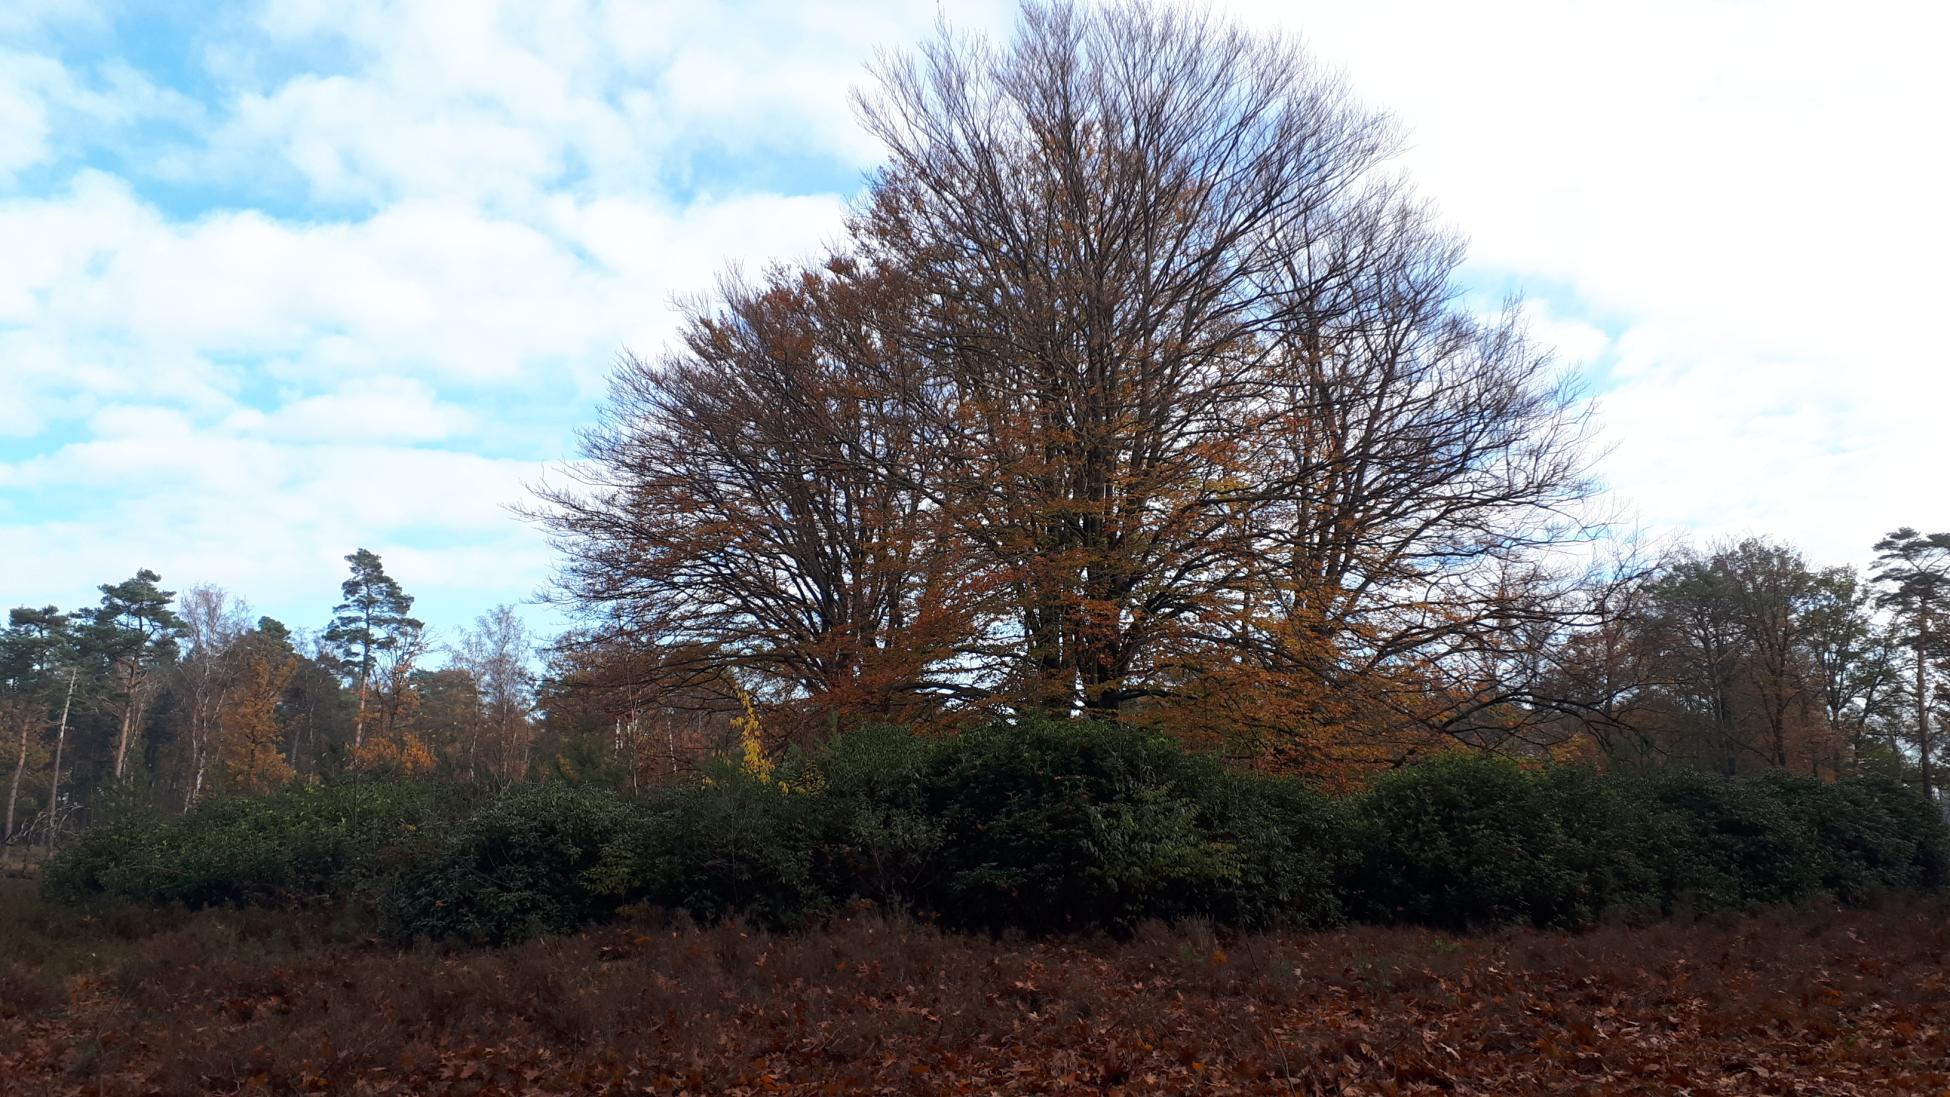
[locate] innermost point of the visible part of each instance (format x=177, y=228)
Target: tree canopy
x=1139, y=386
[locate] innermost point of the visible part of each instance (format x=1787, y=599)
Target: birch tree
x=213, y=624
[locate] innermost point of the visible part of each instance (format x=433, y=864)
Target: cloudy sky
x=280, y=280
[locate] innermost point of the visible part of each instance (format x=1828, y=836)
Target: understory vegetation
x=1038, y=827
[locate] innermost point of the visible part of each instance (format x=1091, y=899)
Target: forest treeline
x=151, y=698
x=1736, y=661
x=1140, y=388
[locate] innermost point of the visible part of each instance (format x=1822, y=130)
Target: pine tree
x=373, y=619
x=1914, y=571
x=134, y=631
x=33, y=650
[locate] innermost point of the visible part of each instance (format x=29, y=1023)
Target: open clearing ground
x=1814, y=1001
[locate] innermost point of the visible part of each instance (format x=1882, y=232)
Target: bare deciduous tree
x=735, y=510
x=213, y=623
x=1139, y=385
x=499, y=655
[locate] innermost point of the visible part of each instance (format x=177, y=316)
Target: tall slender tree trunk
x=670, y=739
x=13, y=790
x=212, y=741
x=205, y=714
x=1923, y=700
x=525, y=733
x=54, y=782
x=199, y=753
x=359, y=719
x=122, y=740
x=474, y=748
x=130, y=713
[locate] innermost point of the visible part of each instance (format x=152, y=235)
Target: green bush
x=1916, y=853
x=1732, y=844
x=1466, y=841
x=538, y=860
x=335, y=840
x=1291, y=847
x=732, y=845
x=1871, y=835
x=1039, y=826
x=879, y=838
x=1054, y=825
x=1612, y=835
x=117, y=857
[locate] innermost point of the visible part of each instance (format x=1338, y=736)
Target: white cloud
x=268, y=518
x=23, y=17
x=1576, y=343
x=418, y=289
x=45, y=106
x=242, y=397
x=383, y=409
x=501, y=102
x=1749, y=195
x=24, y=83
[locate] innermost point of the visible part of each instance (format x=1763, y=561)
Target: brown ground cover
x=1813, y=1001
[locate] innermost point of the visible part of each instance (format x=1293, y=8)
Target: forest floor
x=1808, y=1001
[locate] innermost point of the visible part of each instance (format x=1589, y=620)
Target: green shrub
x=119, y=856
x=1917, y=852
x=1291, y=846
x=1731, y=844
x=1871, y=835
x=537, y=860
x=334, y=840
x=1612, y=834
x=1039, y=826
x=1467, y=840
x=1054, y=825
x=733, y=845
x=878, y=837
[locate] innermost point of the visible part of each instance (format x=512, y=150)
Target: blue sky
x=284, y=279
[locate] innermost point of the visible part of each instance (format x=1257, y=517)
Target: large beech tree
x=1139, y=386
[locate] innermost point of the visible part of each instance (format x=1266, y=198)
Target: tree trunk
x=359, y=720
x=130, y=711
x=54, y=782
x=1923, y=701
x=198, y=752
x=13, y=790
x=122, y=740
x=474, y=748
x=205, y=715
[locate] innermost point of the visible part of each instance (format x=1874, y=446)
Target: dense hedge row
x=1039, y=827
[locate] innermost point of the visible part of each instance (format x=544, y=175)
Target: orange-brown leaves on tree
x=763, y=504
x=1137, y=382
x=250, y=744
